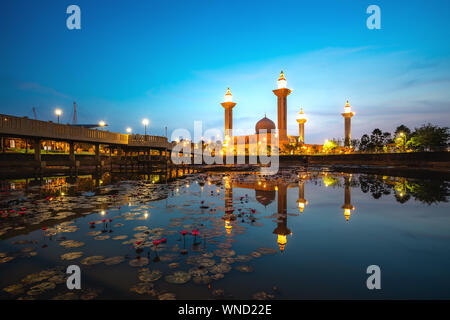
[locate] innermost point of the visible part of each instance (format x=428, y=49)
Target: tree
x=429, y=138
x=329, y=146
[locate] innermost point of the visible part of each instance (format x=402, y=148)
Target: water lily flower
x=184, y=232
x=163, y=240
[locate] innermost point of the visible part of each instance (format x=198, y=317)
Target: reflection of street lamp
x=145, y=123
x=58, y=113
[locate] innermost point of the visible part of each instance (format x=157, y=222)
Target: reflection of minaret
x=301, y=196
x=228, y=104
x=282, y=230
x=228, y=217
x=347, y=198
x=282, y=92
x=348, y=114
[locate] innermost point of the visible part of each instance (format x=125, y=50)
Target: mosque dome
x=265, y=124
x=265, y=197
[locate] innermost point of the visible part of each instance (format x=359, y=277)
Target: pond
x=301, y=234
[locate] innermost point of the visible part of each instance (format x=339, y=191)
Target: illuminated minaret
x=301, y=196
x=301, y=119
x=228, y=105
x=282, y=92
x=348, y=114
x=282, y=230
x=347, y=198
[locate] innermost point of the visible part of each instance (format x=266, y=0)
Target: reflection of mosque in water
x=267, y=191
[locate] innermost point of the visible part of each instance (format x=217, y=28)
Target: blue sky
x=171, y=62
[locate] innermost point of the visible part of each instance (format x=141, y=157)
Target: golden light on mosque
x=282, y=240
x=347, y=213
x=228, y=226
x=228, y=96
x=348, y=108
x=282, y=83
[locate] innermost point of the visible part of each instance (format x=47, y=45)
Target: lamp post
x=145, y=123
x=58, y=113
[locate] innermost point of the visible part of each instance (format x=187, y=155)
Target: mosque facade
x=266, y=129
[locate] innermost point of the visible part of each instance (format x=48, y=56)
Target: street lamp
x=145, y=123
x=58, y=113
x=129, y=130
x=102, y=123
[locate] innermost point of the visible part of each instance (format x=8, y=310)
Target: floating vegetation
x=122, y=237
x=114, y=260
x=147, y=275
x=146, y=288
x=262, y=296
x=267, y=251
x=167, y=296
x=178, y=277
x=93, y=260
x=220, y=268
x=102, y=237
x=224, y=253
x=138, y=262
x=71, y=244
x=71, y=255
x=244, y=268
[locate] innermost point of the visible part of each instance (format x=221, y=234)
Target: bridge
x=35, y=129
x=129, y=148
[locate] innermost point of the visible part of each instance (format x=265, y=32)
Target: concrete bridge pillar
x=37, y=149
x=72, y=151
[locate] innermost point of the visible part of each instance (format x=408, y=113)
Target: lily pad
x=178, y=277
x=147, y=275
x=93, y=260
x=71, y=255
x=138, y=262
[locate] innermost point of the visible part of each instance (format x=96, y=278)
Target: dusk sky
x=171, y=62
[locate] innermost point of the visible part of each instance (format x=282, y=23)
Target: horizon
x=172, y=63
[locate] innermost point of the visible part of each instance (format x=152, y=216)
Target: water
x=253, y=242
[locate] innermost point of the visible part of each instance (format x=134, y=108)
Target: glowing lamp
x=347, y=213
x=281, y=241
x=102, y=123
x=228, y=96
x=347, y=108
x=301, y=115
x=282, y=83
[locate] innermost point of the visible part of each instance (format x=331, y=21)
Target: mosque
x=265, y=126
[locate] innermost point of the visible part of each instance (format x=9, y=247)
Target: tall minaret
x=348, y=114
x=301, y=119
x=228, y=104
x=282, y=92
x=348, y=207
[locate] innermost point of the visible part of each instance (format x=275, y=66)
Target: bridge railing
x=137, y=140
x=25, y=127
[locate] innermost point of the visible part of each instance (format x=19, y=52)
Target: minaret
x=348, y=114
x=301, y=196
x=301, y=119
x=282, y=230
x=282, y=92
x=228, y=104
x=347, y=198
